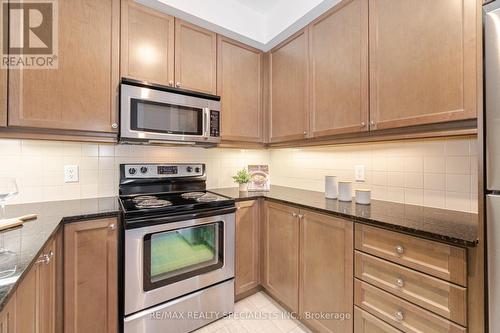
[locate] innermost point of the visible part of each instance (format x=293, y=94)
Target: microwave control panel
x=214, y=123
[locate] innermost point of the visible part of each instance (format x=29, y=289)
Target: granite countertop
x=452, y=227
x=25, y=243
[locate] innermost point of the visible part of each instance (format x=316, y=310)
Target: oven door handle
x=151, y=221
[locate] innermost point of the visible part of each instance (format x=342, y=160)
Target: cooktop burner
x=141, y=198
x=192, y=195
x=152, y=203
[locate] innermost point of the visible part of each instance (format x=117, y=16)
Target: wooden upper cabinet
x=281, y=254
x=339, y=70
x=91, y=276
x=147, y=43
x=195, y=58
x=239, y=77
x=326, y=270
x=423, y=56
x=247, y=246
x=289, y=89
x=82, y=93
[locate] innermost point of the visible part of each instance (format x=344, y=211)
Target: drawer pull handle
x=400, y=316
x=400, y=249
x=400, y=283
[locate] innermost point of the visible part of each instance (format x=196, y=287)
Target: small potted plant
x=242, y=178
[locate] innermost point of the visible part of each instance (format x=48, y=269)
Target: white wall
x=38, y=166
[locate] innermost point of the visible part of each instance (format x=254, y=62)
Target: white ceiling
x=260, y=23
x=261, y=6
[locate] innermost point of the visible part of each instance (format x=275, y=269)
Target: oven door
x=148, y=114
x=170, y=260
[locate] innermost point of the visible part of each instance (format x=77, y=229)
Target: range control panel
x=163, y=170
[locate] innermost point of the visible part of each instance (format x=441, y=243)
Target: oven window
x=183, y=253
x=165, y=118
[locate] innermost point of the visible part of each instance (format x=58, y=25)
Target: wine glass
x=8, y=190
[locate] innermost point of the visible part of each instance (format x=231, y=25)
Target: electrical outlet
x=359, y=173
x=71, y=173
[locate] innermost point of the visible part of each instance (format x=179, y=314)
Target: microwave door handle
x=206, y=122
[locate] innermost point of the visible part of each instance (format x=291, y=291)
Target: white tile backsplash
x=38, y=166
x=439, y=173
x=435, y=172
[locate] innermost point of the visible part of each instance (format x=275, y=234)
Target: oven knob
x=132, y=171
x=197, y=170
x=144, y=169
x=189, y=169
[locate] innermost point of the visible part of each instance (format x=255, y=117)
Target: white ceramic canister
x=331, y=187
x=363, y=196
x=345, y=191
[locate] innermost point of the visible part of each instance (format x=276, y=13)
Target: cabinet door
x=239, y=77
x=247, y=246
x=90, y=281
x=81, y=94
x=422, y=61
x=195, y=58
x=339, y=70
x=326, y=271
x=281, y=252
x=289, y=89
x=26, y=303
x=47, y=281
x=147, y=41
x=8, y=316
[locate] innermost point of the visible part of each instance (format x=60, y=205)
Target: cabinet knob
x=301, y=216
x=45, y=258
x=294, y=214
x=178, y=84
x=112, y=226
x=114, y=125
x=400, y=283
x=305, y=133
x=363, y=124
x=399, y=249
x=373, y=124
x=399, y=315
x=171, y=83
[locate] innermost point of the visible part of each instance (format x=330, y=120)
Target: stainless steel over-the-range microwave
x=151, y=113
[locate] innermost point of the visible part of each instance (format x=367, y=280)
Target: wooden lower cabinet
x=8, y=317
x=247, y=247
x=90, y=280
x=326, y=272
x=366, y=323
x=281, y=254
x=32, y=308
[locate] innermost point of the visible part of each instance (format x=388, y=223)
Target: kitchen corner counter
x=448, y=226
x=27, y=242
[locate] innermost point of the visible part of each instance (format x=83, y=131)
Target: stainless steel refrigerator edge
x=492, y=118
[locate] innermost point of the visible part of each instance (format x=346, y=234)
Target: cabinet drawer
x=440, y=260
x=399, y=313
x=366, y=323
x=441, y=297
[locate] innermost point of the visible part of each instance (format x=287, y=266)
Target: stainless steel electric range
x=179, y=248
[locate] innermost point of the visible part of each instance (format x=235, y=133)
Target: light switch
x=71, y=173
x=359, y=173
